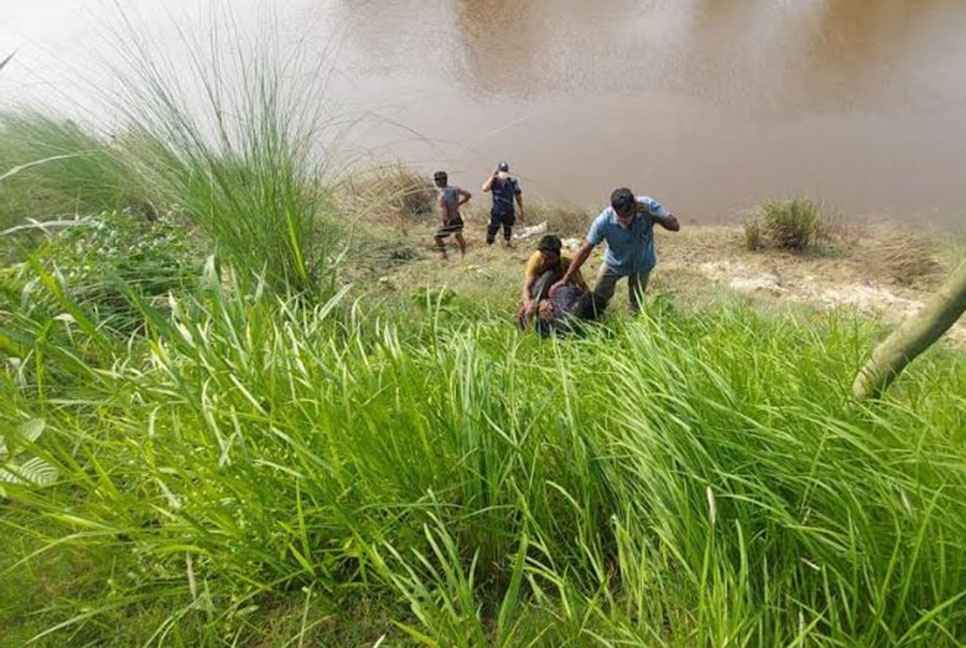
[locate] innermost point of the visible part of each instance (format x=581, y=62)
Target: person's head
x=625, y=204
x=503, y=171
x=440, y=178
x=549, y=248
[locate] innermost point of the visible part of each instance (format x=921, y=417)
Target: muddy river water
x=709, y=105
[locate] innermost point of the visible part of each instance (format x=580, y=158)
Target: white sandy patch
x=870, y=298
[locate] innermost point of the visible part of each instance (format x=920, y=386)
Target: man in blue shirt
x=628, y=227
x=505, y=190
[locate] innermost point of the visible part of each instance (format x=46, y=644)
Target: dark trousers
x=498, y=220
x=541, y=289
x=607, y=284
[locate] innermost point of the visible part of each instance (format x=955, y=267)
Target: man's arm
x=528, y=283
x=668, y=222
x=572, y=271
x=489, y=182
x=658, y=213
x=519, y=197
x=464, y=197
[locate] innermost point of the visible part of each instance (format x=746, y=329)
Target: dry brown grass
x=902, y=255
x=393, y=195
x=562, y=220
x=754, y=238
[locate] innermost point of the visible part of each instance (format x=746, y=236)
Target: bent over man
x=545, y=267
x=628, y=227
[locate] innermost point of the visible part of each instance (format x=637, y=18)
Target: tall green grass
x=679, y=481
x=52, y=167
x=234, y=143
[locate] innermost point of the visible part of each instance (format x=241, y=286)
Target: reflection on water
x=708, y=104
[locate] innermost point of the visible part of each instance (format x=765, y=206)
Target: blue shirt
x=631, y=250
x=504, y=191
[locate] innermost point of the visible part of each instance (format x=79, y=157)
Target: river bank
x=882, y=270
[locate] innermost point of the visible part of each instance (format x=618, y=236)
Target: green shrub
x=66, y=169
x=787, y=224
x=233, y=146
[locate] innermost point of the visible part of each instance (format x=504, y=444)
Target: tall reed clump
x=682, y=480
x=392, y=194
x=235, y=145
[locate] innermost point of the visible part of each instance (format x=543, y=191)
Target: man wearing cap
x=505, y=190
x=544, y=268
x=628, y=227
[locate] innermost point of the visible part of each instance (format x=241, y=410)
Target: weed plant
x=392, y=195
x=97, y=260
x=234, y=146
x=52, y=166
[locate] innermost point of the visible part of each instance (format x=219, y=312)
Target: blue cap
x=503, y=167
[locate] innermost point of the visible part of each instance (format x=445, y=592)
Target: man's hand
x=525, y=312
x=669, y=222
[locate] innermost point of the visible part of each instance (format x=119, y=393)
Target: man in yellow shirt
x=544, y=268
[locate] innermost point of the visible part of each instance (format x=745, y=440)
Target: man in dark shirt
x=505, y=190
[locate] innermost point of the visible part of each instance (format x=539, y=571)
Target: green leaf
x=32, y=429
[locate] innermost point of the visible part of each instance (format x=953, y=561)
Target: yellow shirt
x=535, y=267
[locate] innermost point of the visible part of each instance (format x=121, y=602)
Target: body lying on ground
x=567, y=309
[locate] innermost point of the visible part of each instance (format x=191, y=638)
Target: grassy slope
x=709, y=482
